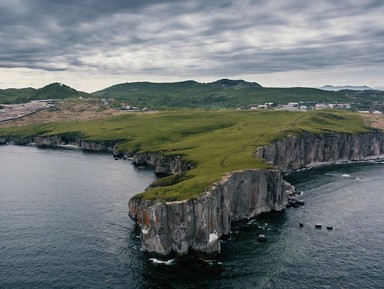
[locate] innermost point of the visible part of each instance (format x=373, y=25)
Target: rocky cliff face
x=3, y=140
x=311, y=150
x=51, y=141
x=197, y=225
x=15, y=140
x=57, y=142
x=163, y=165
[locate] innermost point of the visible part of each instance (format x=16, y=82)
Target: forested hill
x=223, y=93
x=51, y=91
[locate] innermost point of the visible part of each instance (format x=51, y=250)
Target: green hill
x=58, y=91
x=51, y=91
x=223, y=93
x=14, y=95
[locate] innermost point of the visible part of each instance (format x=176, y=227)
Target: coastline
x=196, y=226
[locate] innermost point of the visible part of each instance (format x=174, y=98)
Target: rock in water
x=261, y=238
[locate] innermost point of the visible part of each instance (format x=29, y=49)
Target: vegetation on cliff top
x=216, y=142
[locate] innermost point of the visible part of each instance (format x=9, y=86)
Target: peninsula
x=213, y=167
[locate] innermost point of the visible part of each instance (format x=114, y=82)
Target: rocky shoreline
x=196, y=226
x=64, y=143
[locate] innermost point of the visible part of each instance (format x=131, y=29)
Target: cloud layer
x=198, y=39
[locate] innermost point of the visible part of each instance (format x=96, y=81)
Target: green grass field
x=216, y=142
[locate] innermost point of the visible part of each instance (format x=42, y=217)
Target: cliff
x=197, y=225
x=311, y=150
x=58, y=141
x=164, y=165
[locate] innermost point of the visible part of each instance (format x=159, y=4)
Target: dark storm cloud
x=190, y=37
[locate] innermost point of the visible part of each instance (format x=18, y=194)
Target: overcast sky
x=93, y=44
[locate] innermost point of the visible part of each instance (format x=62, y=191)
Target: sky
x=93, y=44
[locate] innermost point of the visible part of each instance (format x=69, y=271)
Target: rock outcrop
x=316, y=149
x=58, y=141
x=3, y=140
x=98, y=146
x=49, y=141
x=164, y=165
x=197, y=225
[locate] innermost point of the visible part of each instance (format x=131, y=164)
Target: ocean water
x=64, y=224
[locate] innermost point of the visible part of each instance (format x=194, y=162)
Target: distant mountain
x=57, y=91
x=236, y=84
x=346, y=87
x=223, y=93
x=53, y=90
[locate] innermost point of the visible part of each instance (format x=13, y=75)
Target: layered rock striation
x=311, y=150
x=197, y=225
x=163, y=165
x=58, y=141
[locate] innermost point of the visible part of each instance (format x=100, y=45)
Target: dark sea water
x=64, y=224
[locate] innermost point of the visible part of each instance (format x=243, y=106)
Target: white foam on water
x=168, y=262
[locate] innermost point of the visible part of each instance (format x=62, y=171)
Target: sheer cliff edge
x=196, y=225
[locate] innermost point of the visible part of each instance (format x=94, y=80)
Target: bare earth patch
x=374, y=120
x=66, y=110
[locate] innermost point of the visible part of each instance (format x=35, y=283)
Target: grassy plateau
x=217, y=142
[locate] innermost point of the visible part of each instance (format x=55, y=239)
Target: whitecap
x=345, y=175
x=213, y=237
x=168, y=262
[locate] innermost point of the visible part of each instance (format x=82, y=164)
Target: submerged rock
x=261, y=238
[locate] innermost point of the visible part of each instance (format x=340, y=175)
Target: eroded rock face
x=311, y=150
x=3, y=140
x=51, y=141
x=100, y=146
x=57, y=141
x=198, y=224
x=164, y=165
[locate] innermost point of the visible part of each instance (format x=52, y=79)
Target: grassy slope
x=14, y=95
x=217, y=142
